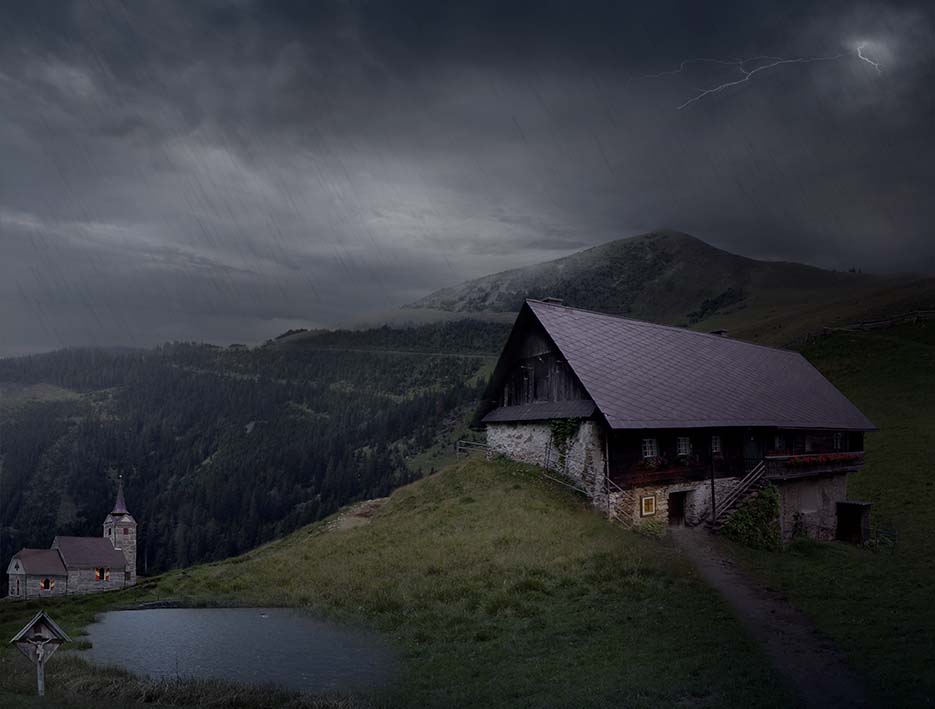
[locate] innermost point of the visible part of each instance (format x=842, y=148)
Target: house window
x=838, y=441
x=683, y=445
x=102, y=574
x=780, y=443
x=647, y=506
x=46, y=585
x=715, y=444
x=650, y=448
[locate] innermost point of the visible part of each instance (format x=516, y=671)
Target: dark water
x=247, y=645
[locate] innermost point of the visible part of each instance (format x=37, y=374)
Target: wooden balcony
x=786, y=467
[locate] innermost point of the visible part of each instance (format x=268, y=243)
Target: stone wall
x=582, y=460
x=626, y=505
x=808, y=506
x=85, y=581
x=30, y=586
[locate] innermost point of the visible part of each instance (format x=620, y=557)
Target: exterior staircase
x=748, y=488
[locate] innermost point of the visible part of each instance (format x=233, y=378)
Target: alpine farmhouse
x=670, y=426
x=76, y=565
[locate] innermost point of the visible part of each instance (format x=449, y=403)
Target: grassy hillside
x=877, y=604
x=674, y=278
x=497, y=587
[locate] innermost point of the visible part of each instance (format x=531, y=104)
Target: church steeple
x=120, y=506
x=120, y=529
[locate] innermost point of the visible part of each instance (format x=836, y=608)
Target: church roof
x=40, y=562
x=89, y=552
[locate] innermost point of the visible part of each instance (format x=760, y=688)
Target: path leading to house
x=812, y=666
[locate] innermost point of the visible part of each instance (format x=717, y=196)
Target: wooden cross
x=38, y=640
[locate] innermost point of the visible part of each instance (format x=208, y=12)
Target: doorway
x=677, y=508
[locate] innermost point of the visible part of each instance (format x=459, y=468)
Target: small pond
x=277, y=646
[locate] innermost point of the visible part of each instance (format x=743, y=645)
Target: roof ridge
x=666, y=327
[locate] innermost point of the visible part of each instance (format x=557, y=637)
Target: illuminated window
x=102, y=574
x=46, y=585
x=715, y=444
x=683, y=445
x=650, y=448
x=647, y=506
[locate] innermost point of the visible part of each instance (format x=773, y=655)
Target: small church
x=77, y=565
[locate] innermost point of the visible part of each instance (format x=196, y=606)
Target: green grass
x=497, y=588
x=877, y=604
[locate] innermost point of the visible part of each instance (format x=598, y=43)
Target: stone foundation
x=582, y=460
x=626, y=506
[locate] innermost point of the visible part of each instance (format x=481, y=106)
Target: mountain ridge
x=674, y=278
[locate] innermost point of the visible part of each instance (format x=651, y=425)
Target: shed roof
x=542, y=411
x=89, y=552
x=643, y=375
x=40, y=562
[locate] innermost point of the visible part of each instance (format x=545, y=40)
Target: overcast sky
x=226, y=170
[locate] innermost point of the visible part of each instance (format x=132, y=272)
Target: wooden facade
x=728, y=452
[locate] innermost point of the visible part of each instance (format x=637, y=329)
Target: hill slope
x=499, y=588
x=674, y=278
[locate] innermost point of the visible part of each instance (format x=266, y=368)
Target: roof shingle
x=41, y=562
x=643, y=375
x=89, y=552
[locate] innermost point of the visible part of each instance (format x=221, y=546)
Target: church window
x=102, y=574
x=126, y=531
x=46, y=585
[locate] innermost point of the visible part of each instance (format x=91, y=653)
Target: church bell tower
x=120, y=529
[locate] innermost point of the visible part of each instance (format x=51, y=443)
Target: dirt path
x=809, y=662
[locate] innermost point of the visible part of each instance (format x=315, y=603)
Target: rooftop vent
x=553, y=301
x=719, y=333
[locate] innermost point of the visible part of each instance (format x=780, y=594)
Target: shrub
x=756, y=522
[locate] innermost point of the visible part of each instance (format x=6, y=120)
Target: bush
x=756, y=522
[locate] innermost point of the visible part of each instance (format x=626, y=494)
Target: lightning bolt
x=860, y=54
x=768, y=62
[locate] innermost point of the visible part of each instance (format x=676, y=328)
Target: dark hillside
x=221, y=449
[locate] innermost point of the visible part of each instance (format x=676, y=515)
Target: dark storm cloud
x=226, y=170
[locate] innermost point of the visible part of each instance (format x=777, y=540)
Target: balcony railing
x=805, y=465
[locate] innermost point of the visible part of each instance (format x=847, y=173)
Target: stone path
x=812, y=666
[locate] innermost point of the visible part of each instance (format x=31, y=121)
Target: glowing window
x=647, y=506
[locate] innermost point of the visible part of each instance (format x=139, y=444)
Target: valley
x=494, y=584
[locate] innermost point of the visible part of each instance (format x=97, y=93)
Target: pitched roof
x=89, y=552
x=643, y=375
x=120, y=506
x=541, y=411
x=41, y=562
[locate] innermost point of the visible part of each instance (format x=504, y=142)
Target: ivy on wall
x=563, y=431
